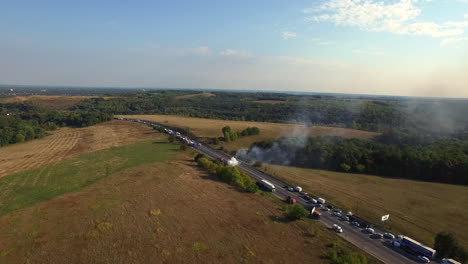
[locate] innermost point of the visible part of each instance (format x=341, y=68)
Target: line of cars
x=423, y=253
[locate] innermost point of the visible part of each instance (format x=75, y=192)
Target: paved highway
x=379, y=248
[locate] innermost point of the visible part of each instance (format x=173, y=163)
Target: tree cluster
x=231, y=135
x=295, y=212
x=15, y=130
x=447, y=246
x=231, y=175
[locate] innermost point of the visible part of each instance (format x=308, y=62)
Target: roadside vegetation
x=295, y=212
x=229, y=174
x=447, y=246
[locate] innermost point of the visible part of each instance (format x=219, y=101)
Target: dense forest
x=428, y=116
x=391, y=155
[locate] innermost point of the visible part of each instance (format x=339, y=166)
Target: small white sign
x=385, y=217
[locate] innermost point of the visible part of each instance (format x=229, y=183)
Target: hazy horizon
x=395, y=48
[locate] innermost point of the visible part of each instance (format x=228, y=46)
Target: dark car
x=329, y=206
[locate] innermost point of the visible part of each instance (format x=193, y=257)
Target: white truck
x=298, y=189
x=267, y=185
x=320, y=200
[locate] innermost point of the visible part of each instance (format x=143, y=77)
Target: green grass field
x=27, y=188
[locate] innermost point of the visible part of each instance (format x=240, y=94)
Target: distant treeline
x=22, y=122
x=428, y=116
x=440, y=161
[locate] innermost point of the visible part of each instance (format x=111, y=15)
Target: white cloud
x=203, y=50
x=465, y=16
x=379, y=16
x=369, y=52
x=289, y=35
x=448, y=41
x=235, y=53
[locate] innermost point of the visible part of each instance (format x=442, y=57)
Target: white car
x=298, y=189
x=337, y=228
x=337, y=214
x=389, y=235
x=369, y=230
x=424, y=259
x=313, y=201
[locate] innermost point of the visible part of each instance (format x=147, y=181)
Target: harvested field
x=163, y=212
x=203, y=127
x=195, y=95
x=68, y=142
x=417, y=209
x=54, y=102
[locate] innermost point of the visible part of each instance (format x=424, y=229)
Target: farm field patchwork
x=417, y=209
x=162, y=212
x=28, y=187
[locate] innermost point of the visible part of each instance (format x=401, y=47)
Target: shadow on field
x=211, y=177
x=279, y=219
x=160, y=142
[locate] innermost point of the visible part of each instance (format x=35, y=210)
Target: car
x=356, y=224
x=337, y=214
x=389, y=235
x=344, y=218
x=329, y=206
x=291, y=189
x=337, y=210
x=313, y=201
x=303, y=193
x=377, y=236
x=337, y=228
x=319, y=206
x=325, y=209
x=369, y=230
x=424, y=259
x=307, y=197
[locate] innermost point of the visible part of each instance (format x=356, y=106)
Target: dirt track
x=68, y=142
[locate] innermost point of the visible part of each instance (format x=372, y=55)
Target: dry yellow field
x=417, y=209
x=68, y=142
x=203, y=127
x=205, y=94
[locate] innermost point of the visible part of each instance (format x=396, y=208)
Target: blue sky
x=397, y=47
